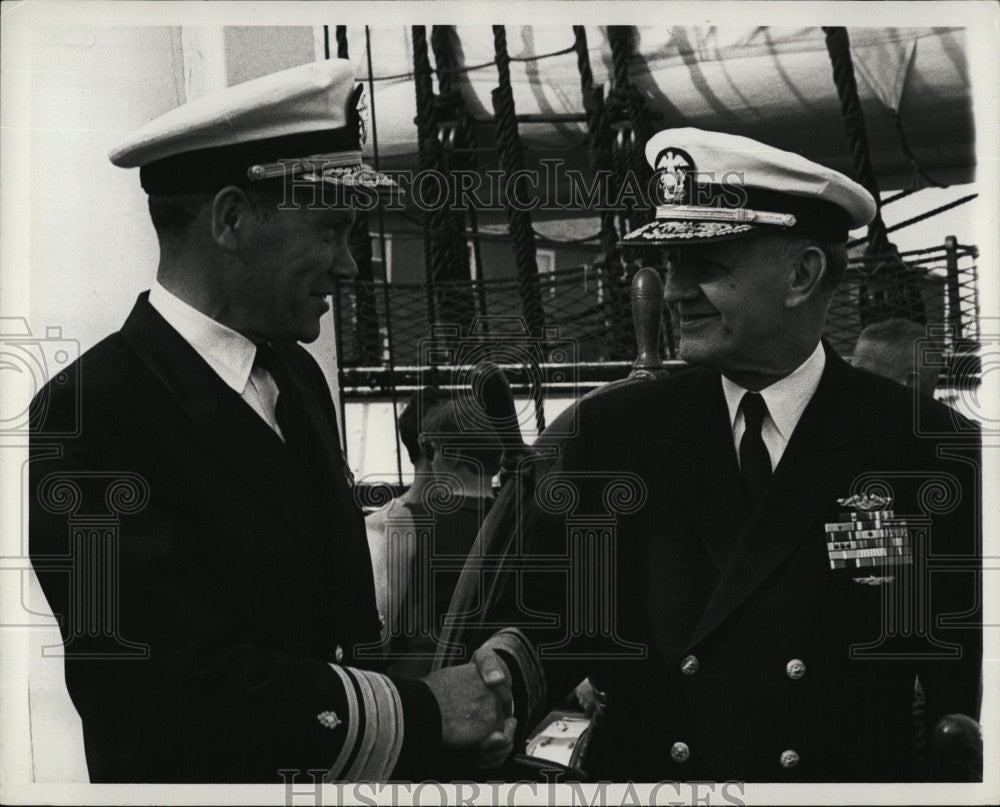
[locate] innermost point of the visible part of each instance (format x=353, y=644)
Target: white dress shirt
x=786, y=401
x=228, y=353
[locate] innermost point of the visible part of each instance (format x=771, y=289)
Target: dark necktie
x=755, y=461
x=290, y=411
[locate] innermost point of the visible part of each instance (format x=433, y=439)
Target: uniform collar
x=786, y=399
x=228, y=353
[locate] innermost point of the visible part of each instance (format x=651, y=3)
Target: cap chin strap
x=315, y=162
x=737, y=215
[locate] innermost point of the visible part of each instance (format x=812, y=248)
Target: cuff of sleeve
x=374, y=727
x=420, y=754
x=528, y=683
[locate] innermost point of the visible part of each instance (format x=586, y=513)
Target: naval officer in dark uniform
x=192, y=520
x=790, y=552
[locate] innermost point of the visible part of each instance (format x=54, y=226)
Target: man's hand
x=494, y=750
x=474, y=699
x=589, y=697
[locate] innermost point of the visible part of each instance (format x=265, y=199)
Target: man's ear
x=426, y=447
x=808, y=272
x=231, y=212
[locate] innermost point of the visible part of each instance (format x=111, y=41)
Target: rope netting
x=937, y=288
x=584, y=307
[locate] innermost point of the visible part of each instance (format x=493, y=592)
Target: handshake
x=477, y=707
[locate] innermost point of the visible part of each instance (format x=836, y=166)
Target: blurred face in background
x=892, y=349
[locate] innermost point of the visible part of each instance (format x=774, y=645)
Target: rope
x=899, y=292
x=583, y=141
x=598, y=135
x=496, y=237
x=838, y=46
x=619, y=113
x=577, y=301
x=425, y=134
x=929, y=251
x=897, y=121
x=630, y=118
x=360, y=244
x=443, y=58
x=342, y=42
x=519, y=221
x=897, y=196
x=441, y=244
x=465, y=145
x=512, y=159
x=484, y=65
x=338, y=339
x=451, y=106
x=583, y=61
x=917, y=219
x=626, y=115
x=385, y=266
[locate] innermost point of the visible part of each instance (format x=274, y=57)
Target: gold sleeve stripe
x=368, y=756
x=351, y=739
x=372, y=729
x=389, y=738
x=397, y=742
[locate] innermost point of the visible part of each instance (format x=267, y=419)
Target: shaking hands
x=476, y=707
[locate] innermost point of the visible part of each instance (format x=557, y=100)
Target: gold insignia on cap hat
x=363, y=114
x=675, y=167
x=713, y=186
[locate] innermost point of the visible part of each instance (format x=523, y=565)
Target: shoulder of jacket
x=886, y=400
x=639, y=391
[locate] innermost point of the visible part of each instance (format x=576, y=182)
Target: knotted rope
x=512, y=160
x=891, y=289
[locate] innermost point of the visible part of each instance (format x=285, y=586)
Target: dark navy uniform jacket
x=727, y=646
x=216, y=608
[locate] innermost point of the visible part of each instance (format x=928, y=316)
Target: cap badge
x=675, y=167
x=363, y=114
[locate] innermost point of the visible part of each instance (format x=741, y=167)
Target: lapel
x=322, y=426
x=819, y=462
x=222, y=423
x=701, y=459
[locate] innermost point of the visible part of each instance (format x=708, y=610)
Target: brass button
x=795, y=669
x=789, y=759
x=689, y=666
x=679, y=752
x=338, y=654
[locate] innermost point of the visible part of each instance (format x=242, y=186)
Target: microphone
x=647, y=305
x=491, y=389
